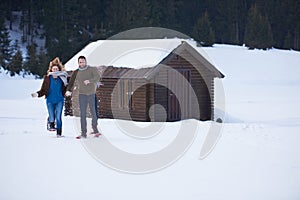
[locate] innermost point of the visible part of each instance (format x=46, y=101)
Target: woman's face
x=55, y=68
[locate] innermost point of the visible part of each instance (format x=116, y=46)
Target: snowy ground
x=256, y=157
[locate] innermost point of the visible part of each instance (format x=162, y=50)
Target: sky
x=255, y=155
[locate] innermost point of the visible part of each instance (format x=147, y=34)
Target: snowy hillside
x=16, y=34
x=256, y=157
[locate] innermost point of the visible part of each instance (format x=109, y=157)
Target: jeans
x=55, y=112
x=84, y=101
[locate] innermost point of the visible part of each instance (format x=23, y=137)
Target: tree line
x=69, y=25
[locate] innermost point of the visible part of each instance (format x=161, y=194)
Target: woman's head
x=55, y=65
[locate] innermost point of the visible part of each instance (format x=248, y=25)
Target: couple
x=55, y=87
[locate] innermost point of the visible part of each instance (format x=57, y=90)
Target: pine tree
x=258, y=32
x=203, y=31
x=123, y=15
x=156, y=13
x=31, y=65
x=171, y=13
x=5, y=50
x=70, y=24
x=42, y=62
x=16, y=64
x=223, y=18
x=296, y=44
x=291, y=20
x=288, y=41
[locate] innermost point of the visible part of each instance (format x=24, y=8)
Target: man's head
x=81, y=61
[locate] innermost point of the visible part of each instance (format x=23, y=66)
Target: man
x=86, y=78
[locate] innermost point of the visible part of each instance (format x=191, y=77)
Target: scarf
x=62, y=75
x=84, y=68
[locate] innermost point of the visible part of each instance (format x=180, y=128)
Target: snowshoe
x=95, y=134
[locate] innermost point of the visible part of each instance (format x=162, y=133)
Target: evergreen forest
x=66, y=26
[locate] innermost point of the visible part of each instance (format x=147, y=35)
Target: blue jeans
x=84, y=101
x=55, y=112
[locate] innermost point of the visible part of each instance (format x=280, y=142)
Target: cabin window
x=125, y=99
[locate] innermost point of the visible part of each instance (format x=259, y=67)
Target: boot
x=52, y=126
x=58, y=132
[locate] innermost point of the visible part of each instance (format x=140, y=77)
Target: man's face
x=81, y=62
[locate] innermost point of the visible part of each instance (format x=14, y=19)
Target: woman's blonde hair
x=55, y=62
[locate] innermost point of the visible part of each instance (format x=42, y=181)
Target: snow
x=17, y=34
x=246, y=71
x=256, y=156
x=128, y=53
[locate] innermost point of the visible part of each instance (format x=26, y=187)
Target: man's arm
x=96, y=75
x=72, y=81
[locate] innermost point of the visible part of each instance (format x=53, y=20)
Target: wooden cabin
x=180, y=86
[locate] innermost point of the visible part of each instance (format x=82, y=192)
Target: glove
x=34, y=94
x=68, y=93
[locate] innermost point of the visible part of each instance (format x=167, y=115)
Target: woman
x=54, y=88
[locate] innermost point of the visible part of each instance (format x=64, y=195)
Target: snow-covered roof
x=128, y=53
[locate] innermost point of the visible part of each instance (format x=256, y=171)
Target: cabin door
x=179, y=94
